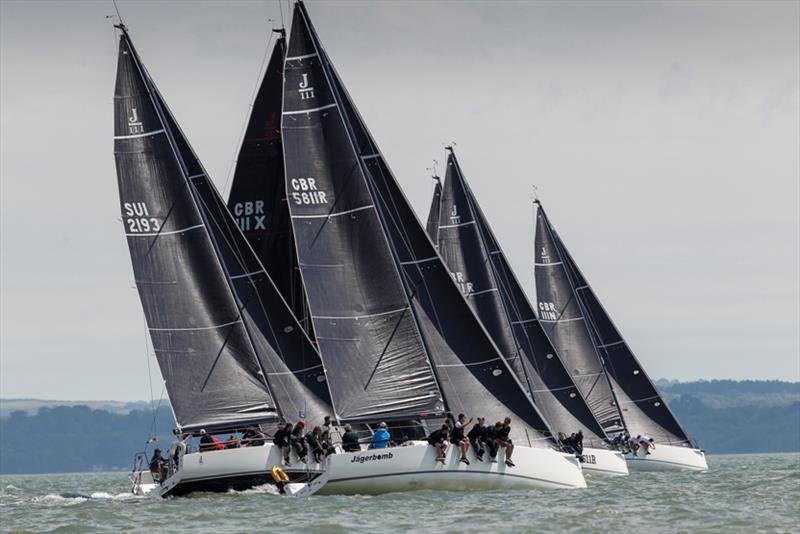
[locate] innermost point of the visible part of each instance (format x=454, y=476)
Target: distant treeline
x=724, y=416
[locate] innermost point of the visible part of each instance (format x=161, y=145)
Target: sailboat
x=232, y=354
x=479, y=267
x=621, y=394
x=398, y=341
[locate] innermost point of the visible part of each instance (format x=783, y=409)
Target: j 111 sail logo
x=547, y=311
x=138, y=220
x=305, y=91
x=250, y=215
x=544, y=257
x=134, y=124
x=306, y=192
x=455, y=218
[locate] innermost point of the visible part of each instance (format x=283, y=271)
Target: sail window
x=657, y=403
x=497, y=372
x=288, y=329
x=321, y=378
x=549, y=356
x=572, y=395
x=636, y=371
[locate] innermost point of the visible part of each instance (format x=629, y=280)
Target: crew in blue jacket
x=381, y=437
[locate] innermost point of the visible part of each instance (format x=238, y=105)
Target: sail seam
x=526, y=321
x=304, y=56
x=456, y=225
x=361, y=316
x=295, y=371
x=581, y=287
x=414, y=262
x=245, y=275
x=561, y=320
x=311, y=110
x=151, y=234
x=371, y=156
x=137, y=136
x=328, y=215
x=469, y=364
x=547, y=264
x=482, y=292
x=196, y=328
x=611, y=344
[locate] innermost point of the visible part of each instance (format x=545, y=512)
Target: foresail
x=644, y=410
x=377, y=364
x=208, y=363
x=470, y=249
x=258, y=199
x=473, y=377
x=562, y=317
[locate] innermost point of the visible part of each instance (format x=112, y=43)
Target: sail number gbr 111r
x=304, y=191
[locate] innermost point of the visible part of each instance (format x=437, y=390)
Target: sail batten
x=480, y=269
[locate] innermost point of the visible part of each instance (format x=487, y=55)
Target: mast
x=644, y=410
x=472, y=375
x=471, y=251
x=562, y=315
x=220, y=369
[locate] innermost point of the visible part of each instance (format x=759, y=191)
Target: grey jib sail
x=258, y=198
x=204, y=317
x=472, y=375
x=643, y=409
x=562, y=315
x=479, y=266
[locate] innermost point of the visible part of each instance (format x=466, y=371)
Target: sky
x=663, y=139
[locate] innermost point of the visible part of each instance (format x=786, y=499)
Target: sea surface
x=741, y=493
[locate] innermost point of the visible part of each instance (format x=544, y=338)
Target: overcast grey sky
x=663, y=138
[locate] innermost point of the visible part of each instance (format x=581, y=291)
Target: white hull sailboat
x=603, y=462
x=667, y=458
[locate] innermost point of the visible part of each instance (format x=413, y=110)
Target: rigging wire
x=242, y=133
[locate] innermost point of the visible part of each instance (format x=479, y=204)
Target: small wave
x=113, y=496
x=67, y=499
x=264, y=489
x=12, y=487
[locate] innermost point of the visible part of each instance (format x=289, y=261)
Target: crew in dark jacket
x=350, y=440
x=502, y=439
x=281, y=439
x=457, y=436
x=438, y=440
x=298, y=441
x=477, y=437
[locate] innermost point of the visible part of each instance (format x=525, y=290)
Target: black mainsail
x=562, y=315
x=643, y=409
x=480, y=268
x=382, y=301
x=258, y=199
x=230, y=350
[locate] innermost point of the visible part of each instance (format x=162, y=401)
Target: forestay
x=562, y=315
x=644, y=410
x=190, y=262
x=479, y=267
x=473, y=377
x=258, y=199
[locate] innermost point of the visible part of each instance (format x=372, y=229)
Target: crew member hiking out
x=457, y=437
x=477, y=438
x=504, y=441
x=438, y=440
x=281, y=440
x=491, y=440
x=298, y=442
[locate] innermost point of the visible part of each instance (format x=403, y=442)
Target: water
x=741, y=493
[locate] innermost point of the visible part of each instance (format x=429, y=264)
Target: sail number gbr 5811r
x=305, y=191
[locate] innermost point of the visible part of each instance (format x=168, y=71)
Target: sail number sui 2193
x=138, y=220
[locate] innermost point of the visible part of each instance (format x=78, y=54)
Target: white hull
x=667, y=458
x=603, y=462
x=414, y=467
x=226, y=469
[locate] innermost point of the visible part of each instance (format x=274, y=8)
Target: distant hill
x=38, y=436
